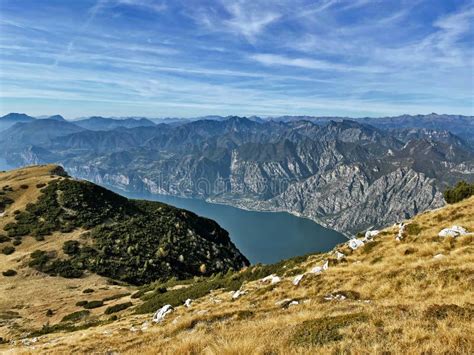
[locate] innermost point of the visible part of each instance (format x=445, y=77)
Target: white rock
x=2, y=214
x=438, y=256
x=336, y=297
x=297, y=279
x=370, y=234
x=401, y=230
x=326, y=265
x=145, y=326
x=339, y=255
x=316, y=270
x=454, y=231
x=272, y=278
x=161, y=313
x=355, y=243
x=293, y=303
x=188, y=302
x=238, y=293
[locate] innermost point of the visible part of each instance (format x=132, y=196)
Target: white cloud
x=248, y=21
x=308, y=63
x=245, y=18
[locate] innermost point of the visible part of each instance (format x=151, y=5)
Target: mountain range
x=349, y=175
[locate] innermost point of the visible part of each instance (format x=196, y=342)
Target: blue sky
x=182, y=58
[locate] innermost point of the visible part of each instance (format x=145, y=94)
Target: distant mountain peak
x=17, y=117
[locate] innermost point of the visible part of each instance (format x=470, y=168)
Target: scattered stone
x=339, y=255
x=188, y=302
x=237, y=294
x=369, y=235
x=401, y=230
x=297, y=279
x=287, y=302
x=355, y=243
x=161, y=313
x=316, y=270
x=272, y=278
x=454, y=231
x=438, y=256
x=145, y=326
x=336, y=297
x=326, y=265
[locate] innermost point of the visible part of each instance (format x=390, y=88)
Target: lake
x=263, y=237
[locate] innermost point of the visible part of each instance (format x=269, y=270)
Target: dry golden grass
x=401, y=300
x=30, y=293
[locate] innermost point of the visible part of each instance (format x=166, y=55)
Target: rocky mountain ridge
x=337, y=173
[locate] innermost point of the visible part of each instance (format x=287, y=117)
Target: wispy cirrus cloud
x=181, y=58
x=244, y=18
x=308, y=63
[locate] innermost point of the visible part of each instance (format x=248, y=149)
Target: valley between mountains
x=88, y=277
x=347, y=175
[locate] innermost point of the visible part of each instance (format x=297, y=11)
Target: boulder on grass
x=454, y=231
x=160, y=314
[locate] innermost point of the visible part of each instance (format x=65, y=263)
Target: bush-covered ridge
x=129, y=240
x=459, y=192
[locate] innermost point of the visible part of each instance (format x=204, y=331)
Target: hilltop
x=56, y=232
x=411, y=294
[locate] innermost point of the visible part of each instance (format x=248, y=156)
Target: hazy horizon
x=75, y=118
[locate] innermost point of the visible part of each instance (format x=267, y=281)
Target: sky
x=188, y=58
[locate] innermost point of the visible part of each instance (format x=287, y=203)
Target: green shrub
x=40, y=185
x=76, y=316
x=9, y=272
x=460, y=191
x=7, y=250
x=118, y=307
x=16, y=242
x=71, y=247
x=4, y=238
x=24, y=186
x=93, y=304
x=64, y=327
x=88, y=290
x=81, y=303
x=116, y=297
x=130, y=241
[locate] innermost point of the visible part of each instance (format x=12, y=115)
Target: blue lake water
x=263, y=237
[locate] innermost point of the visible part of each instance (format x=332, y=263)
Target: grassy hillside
x=58, y=233
x=389, y=296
